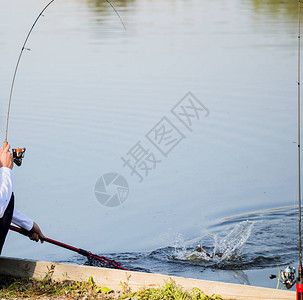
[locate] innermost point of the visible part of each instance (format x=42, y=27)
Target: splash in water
x=271, y=243
x=225, y=249
x=232, y=244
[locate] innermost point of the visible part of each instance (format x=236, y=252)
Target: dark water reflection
x=289, y=9
x=271, y=8
x=268, y=11
x=250, y=249
x=102, y=5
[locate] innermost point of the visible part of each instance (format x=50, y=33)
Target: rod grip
x=20, y=230
x=4, y=144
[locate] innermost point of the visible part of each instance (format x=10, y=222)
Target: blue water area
x=245, y=249
x=147, y=142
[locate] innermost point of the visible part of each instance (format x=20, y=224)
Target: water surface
x=89, y=91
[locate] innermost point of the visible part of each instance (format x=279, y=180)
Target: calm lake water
x=142, y=143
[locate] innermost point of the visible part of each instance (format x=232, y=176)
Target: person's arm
x=7, y=179
x=27, y=223
x=22, y=220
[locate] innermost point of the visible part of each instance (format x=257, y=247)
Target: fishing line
x=19, y=58
x=16, y=69
x=116, y=13
x=278, y=281
x=18, y=153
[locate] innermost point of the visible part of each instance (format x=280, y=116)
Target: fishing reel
x=18, y=155
x=287, y=275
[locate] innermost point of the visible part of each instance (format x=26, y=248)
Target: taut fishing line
x=16, y=69
x=19, y=153
x=116, y=13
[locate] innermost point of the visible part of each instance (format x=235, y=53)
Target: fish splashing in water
x=226, y=248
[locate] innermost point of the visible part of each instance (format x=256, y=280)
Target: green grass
x=170, y=291
x=35, y=289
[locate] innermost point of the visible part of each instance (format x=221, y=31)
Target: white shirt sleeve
x=7, y=181
x=22, y=220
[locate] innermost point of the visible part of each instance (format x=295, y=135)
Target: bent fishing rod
x=18, y=153
x=88, y=254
